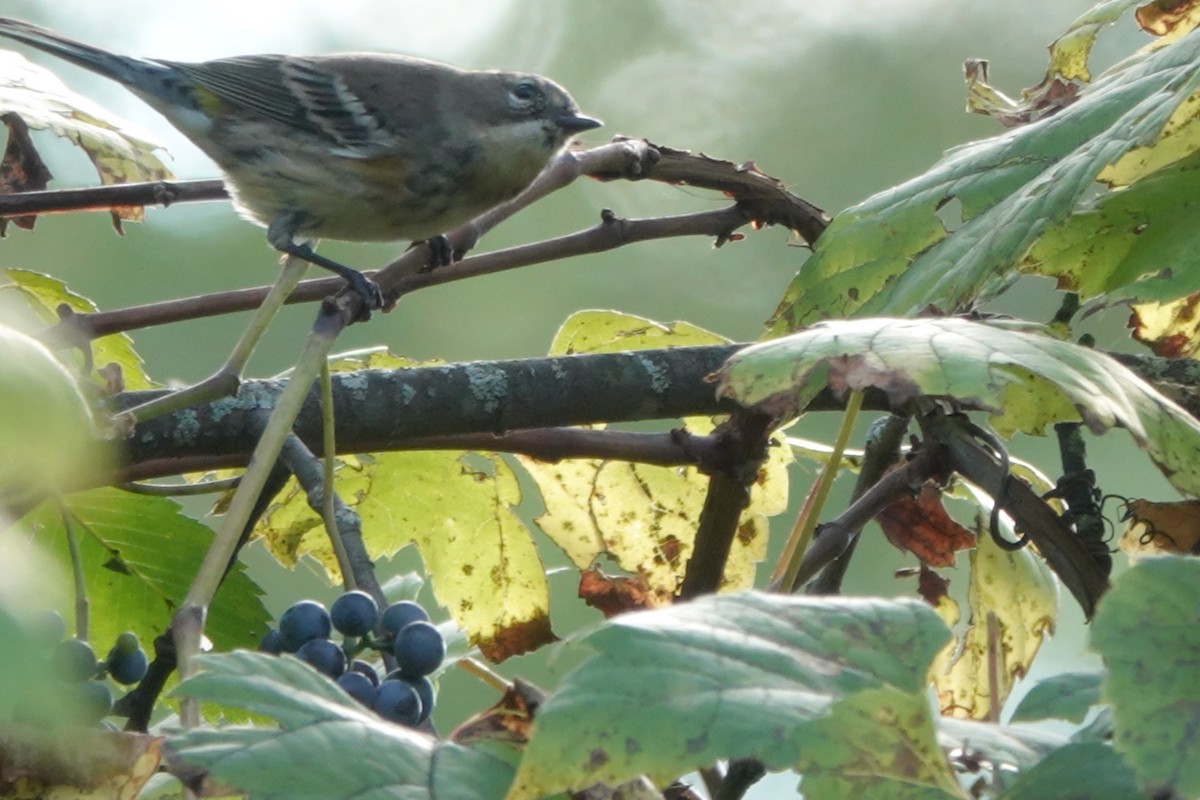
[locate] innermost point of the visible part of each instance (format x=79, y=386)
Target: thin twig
x=881, y=453
x=806, y=521
x=81, y=600
x=181, y=489
x=744, y=437
x=328, y=498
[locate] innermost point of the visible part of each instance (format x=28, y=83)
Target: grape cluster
x=75, y=663
x=405, y=695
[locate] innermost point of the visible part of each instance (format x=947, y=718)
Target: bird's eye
x=525, y=93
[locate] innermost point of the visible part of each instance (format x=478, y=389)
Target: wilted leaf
x=1170, y=329
x=43, y=102
x=981, y=366
x=934, y=590
x=1161, y=527
x=921, y=526
x=1146, y=631
x=1066, y=73
x=613, y=594
x=1014, y=604
x=1163, y=17
x=22, y=169
x=645, y=516
x=507, y=721
x=721, y=677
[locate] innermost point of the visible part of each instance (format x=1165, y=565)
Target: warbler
x=357, y=146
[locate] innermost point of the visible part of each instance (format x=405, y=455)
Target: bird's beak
x=577, y=123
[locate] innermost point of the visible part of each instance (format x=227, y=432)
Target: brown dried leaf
x=921, y=526
x=932, y=587
x=22, y=169
x=614, y=594
x=1161, y=527
x=1163, y=17
x=507, y=721
x=1050, y=96
x=523, y=636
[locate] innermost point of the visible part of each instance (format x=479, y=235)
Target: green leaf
x=876, y=744
x=1067, y=695
x=44, y=102
x=1006, y=369
x=1086, y=769
x=47, y=436
x=45, y=295
x=892, y=253
x=318, y=752
x=139, y=555
x=720, y=677
x=1146, y=631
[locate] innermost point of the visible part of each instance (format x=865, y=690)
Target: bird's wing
x=298, y=92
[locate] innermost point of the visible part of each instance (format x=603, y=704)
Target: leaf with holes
x=1025, y=378
x=1026, y=201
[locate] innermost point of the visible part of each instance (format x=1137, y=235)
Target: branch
x=761, y=199
x=348, y=528
x=745, y=437
x=1061, y=548
x=881, y=452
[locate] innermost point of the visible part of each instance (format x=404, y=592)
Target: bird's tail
x=139, y=74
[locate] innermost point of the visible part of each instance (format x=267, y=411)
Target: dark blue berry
x=354, y=613
x=325, y=656
x=303, y=622
x=271, y=643
x=419, y=649
x=398, y=615
x=424, y=689
x=94, y=701
x=76, y=660
x=366, y=669
x=127, y=660
x=359, y=687
x=398, y=702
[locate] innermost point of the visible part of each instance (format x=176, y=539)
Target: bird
x=359, y=147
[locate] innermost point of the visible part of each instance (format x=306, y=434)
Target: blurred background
x=837, y=100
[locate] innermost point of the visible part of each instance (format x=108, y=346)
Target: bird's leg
x=281, y=235
x=441, y=254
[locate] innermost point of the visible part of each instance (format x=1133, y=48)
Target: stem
x=881, y=452
x=484, y=674
x=806, y=522
x=81, y=601
x=328, y=499
x=189, y=620
x=225, y=380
